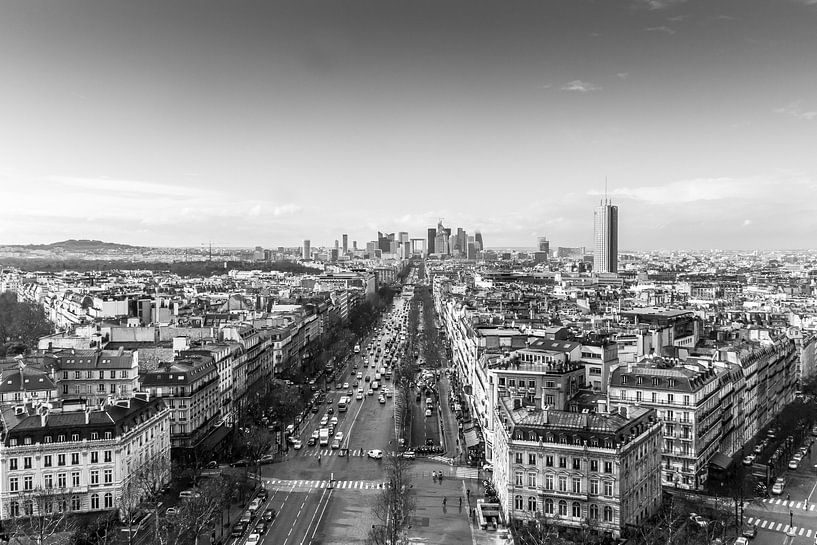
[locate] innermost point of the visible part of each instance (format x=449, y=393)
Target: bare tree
x=40, y=516
x=146, y=483
x=394, y=505
x=194, y=516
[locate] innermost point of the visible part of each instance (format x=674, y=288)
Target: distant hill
x=83, y=245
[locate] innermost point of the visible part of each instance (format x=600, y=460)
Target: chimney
x=43, y=415
x=622, y=410
x=88, y=415
x=120, y=351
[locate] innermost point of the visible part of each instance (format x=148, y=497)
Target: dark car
x=240, y=463
x=263, y=494
x=238, y=530
x=749, y=531
x=268, y=515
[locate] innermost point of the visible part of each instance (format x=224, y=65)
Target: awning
x=471, y=439
x=212, y=441
x=720, y=460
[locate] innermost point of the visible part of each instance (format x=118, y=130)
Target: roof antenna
x=606, y=201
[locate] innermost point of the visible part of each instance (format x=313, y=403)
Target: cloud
x=807, y=2
x=110, y=185
x=682, y=191
x=677, y=18
x=580, y=86
x=747, y=223
x=623, y=75
x=662, y=28
x=795, y=109
x=658, y=4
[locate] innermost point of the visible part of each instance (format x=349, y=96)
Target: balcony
x=563, y=494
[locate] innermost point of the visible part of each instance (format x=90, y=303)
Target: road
x=300, y=485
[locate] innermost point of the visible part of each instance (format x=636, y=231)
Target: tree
x=145, y=485
x=99, y=531
x=21, y=323
x=394, y=505
x=41, y=515
x=194, y=515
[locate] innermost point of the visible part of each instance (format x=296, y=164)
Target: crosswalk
x=791, y=504
x=781, y=527
x=330, y=452
x=348, y=485
x=438, y=458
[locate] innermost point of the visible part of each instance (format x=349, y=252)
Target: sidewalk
x=449, y=422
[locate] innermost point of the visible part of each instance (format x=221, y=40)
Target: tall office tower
x=441, y=239
x=605, y=256
x=370, y=248
x=307, y=250
x=478, y=241
x=345, y=243
x=432, y=235
x=337, y=245
x=384, y=241
x=354, y=245
x=403, y=237
x=544, y=245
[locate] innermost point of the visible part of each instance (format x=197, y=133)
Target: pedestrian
x=460, y=501
x=434, y=476
x=441, y=477
x=445, y=500
x=788, y=497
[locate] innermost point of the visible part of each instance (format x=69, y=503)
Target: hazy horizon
x=265, y=123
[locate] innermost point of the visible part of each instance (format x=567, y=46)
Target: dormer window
x=672, y=383
x=624, y=379
x=655, y=381
x=639, y=380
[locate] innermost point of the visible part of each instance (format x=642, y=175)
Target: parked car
x=749, y=460
x=409, y=455
x=749, y=531
x=375, y=454
x=297, y=445
x=779, y=485
x=698, y=520
x=268, y=515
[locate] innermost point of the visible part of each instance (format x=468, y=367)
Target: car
x=387, y=392
x=355, y=384
x=375, y=454
x=212, y=465
x=359, y=376
x=266, y=459
x=794, y=463
x=330, y=410
x=255, y=505
x=338, y=386
x=238, y=530
x=316, y=435
x=171, y=511
x=359, y=395
x=345, y=386
x=370, y=392
x=750, y=530
x=368, y=378
x=749, y=460
x=758, y=448
x=189, y=493
x=314, y=409
x=778, y=487
x=698, y=520
x=409, y=455
x=381, y=400
x=263, y=495
x=339, y=436
x=311, y=442
x=350, y=392
x=428, y=412
x=324, y=421
x=487, y=467
x=253, y=539
x=268, y=515
x=335, y=444
x=297, y=445
x=334, y=421
x=741, y=541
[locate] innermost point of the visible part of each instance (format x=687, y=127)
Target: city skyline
x=264, y=123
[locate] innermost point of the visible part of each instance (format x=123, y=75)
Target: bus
x=343, y=403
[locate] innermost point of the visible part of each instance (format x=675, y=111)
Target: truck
x=324, y=437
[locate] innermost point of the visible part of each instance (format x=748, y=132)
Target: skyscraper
x=605, y=255
x=432, y=235
x=307, y=250
x=478, y=241
x=345, y=243
x=544, y=245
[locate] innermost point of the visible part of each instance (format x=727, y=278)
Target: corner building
x=577, y=470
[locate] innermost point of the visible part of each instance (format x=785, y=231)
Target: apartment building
x=577, y=469
x=21, y=383
x=95, y=374
x=189, y=385
x=71, y=456
x=687, y=400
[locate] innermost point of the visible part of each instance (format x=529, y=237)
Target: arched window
x=75, y=504
x=576, y=508
x=594, y=511
x=548, y=506
x=532, y=436
x=14, y=508
x=94, y=501
x=608, y=513
x=28, y=507
x=577, y=440
x=531, y=503
x=563, y=439
x=517, y=503
x=562, y=508
x=108, y=500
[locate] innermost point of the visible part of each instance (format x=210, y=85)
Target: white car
x=339, y=436
x=359, y=395
x=334, y=420
x=428, y=412
x=345, y=385
x=382, y=400
x=297, y=445
x=375, y=454
x=794, y=463
x=488, y=467
x=741, y=541
x=749, y=460
x=254, y=539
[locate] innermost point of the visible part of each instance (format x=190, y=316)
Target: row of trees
x=182, y=268
x=21, y=325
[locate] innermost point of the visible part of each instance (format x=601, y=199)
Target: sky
x=182, y=122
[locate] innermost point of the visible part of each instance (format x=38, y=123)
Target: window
x=550, y=384
x=654, y=400
x=549, y=482
x=518, y=478
x=60, y=438
x=94, y=477
x=562, y=461
x=577, y=463
x=28, y=482
x=60, y=459
x=549, y=461
x=549, y=506
x=77, y=374
x=75, y=478
x=577, y=485
x=562, y=483
x=517, y=502
x=638, y=395
x=113, y=388
x=94, y=501
x=594, y=487
x=608, y=513
x=562, y=508
x=89, y=374
x=74, y=458
x=94, y=436
x=27, y=462
x=608, y=467
x=100, y=388
x=108, y=476
x=12, y=463
x=531, y=459
x=75, y=503
x=531, y=503
x=48, y=481
x=594, y=465
x=107, y=453
x=108, y=500
x=608, y=488
x=550, y=400
x=14, y=484
x=670, y=398
x=123, y=374
x=594, y=511
x=47, y=460
x=518, y=457
x=576, y=509
x=531, y=480
x=94, y=457
x=61, y=480
x=65, y=389
x=27, y=440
